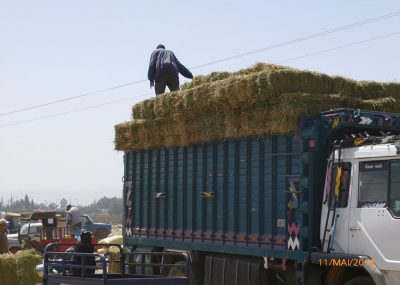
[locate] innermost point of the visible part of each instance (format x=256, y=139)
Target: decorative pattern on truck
x=293, y=242
x=128, y=208
x=361, y=118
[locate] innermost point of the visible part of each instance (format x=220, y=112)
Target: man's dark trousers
x=170, y=80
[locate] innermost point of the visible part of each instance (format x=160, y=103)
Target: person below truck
x=10, y=225
x=164, y=69
x=74, y=220
x=3, y=237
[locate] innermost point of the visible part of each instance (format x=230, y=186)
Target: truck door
x=374, y=216
x=335, y=218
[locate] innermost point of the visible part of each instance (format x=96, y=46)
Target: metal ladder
x=332, y=217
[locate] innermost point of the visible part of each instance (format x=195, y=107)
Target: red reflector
x=312, y=143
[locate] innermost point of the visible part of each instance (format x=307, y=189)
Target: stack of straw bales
x=112, y=252
x=19, y=269
x=263, y=99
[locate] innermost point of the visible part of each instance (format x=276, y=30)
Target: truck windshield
x=379, y=185
x=24, y=229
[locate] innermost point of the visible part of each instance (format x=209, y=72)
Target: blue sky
x=50, y=50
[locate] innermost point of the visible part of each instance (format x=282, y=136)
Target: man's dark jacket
x=164, y=62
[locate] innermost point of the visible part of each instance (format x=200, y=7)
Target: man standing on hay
x=74, y=221
x=164, y=69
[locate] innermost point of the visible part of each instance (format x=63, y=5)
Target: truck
x=99, y=230
x=37, y=229
x=320, y=206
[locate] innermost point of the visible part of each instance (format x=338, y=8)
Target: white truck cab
x=361, y=208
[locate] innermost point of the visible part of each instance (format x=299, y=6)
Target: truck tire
x=196, y=274
x=101, y=233
x=363, y=280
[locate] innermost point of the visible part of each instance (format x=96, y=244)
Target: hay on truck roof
x=263, y=99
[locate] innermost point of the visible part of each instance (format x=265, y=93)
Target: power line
x=312, y=36
x=73, y=111
x=339, y=47
x=297, y=40
x=69, y=98
x=368, y=21
x=146, y=94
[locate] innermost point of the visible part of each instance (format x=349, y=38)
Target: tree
x=27, y=203
x=63, y=203
x=52, y=206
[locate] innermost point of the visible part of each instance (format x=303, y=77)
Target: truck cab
x=99, y=230
x=361, y=208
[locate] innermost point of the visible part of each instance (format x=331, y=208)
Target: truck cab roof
x=369, y=151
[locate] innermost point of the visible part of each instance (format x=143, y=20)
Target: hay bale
x=216, y=76
x=19, y=269
x=281, y=117
x=8, y=269
x=26, y=264
x=144, y=109
x=114, y=256
x=263, y=99
x=256, y=85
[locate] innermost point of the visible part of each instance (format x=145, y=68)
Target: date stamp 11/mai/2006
x=347, y=262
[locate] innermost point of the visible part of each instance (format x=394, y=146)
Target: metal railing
x=85, y=265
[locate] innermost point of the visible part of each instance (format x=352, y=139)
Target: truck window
x=24, y=229
x=373, y=184
x=344, y=184
x=394, y=195
x=38, y=229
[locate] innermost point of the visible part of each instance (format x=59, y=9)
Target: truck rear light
x=312, y=143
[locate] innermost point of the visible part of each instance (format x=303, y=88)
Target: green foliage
x=23, y=204
x=63, y=203
x=107, y=210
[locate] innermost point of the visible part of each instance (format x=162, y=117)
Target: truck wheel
x=101, y=233
x=334, y=276
x=363, y=280
x=196, y=275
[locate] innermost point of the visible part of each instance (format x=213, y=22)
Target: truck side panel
x=217, y=195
